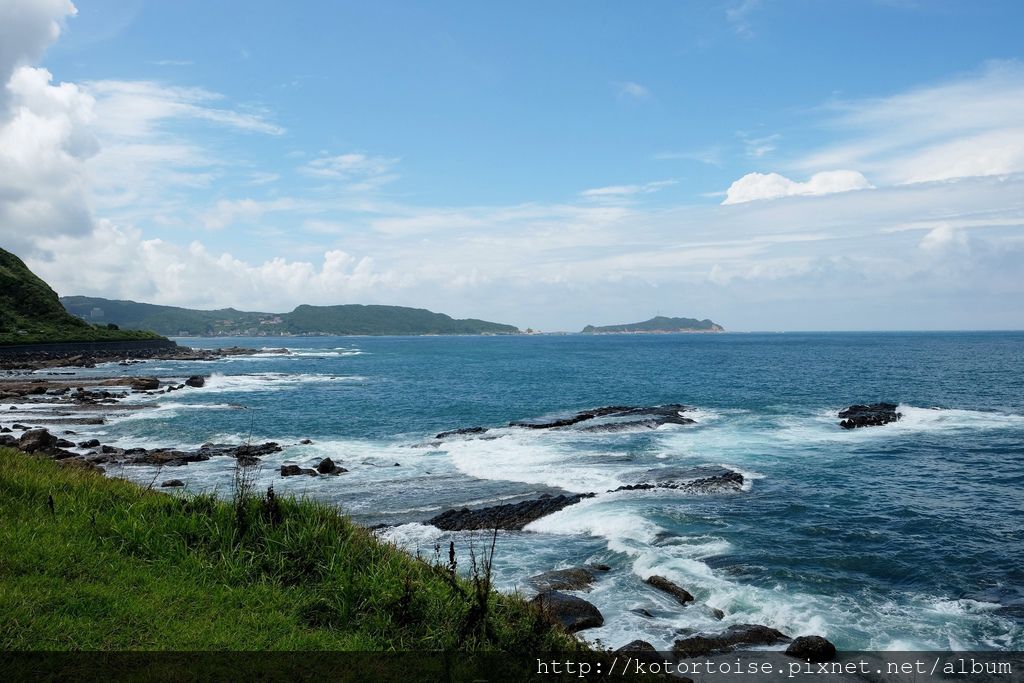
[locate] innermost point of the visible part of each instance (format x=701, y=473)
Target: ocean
x=905, y=536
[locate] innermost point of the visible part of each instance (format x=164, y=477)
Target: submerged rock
x=812, y=649
x=170, y=483
x=874, y=415
x=511, y=516
x=571, y=613
x=328, y=466
x=733, y=637
x=681, y=595
x=650, y=417
x=295, y=470
x=573, y=579
x=697, y=481
x=460, y=432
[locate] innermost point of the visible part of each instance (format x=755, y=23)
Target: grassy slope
x=30, y=311
x=117, y=567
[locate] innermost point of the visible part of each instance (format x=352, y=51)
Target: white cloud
x=352, y=165
x=619, y=191
x=133, y=109
x=755, y=186
x=711, y=156
x=738, y=15
x=629, y=89
x=27, y=27
x=226, y=212
x=760, y=146
x=970, y=126
x=123, y=264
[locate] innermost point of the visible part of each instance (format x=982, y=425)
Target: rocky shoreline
x=77, y=400
x=85, y=357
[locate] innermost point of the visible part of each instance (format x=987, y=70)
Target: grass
x=95, y=563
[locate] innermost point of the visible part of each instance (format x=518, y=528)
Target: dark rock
x=64, y=443
x=91, y=443
x=327, y=466
x=874, y=415
x=699, y=481
x=172, y=482
x=682, y=595
x=642, y=612
x=735, y=636
x=110, y=450
x=651, y=417
x=306, y=442
x=716, y=613
x=37, y=441
x=812, y=649
x=573, y=579
x=164, y=457
x=197, y=381
x=598, y=567
x=295, y=470
x=637, y=647
x=8, y=441
x=571, y=613
x=256, y=450
x=459, y=432
x=19, y=426
x=511, y=516
x=145, y=383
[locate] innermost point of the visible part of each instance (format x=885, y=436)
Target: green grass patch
x=113, y=566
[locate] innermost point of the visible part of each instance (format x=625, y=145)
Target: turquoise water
x=904, y=536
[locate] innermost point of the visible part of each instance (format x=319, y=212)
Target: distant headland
x=305, y=320
x=657, y=325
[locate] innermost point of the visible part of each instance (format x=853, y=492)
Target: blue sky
x=769, y=164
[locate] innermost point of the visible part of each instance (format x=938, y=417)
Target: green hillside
x=658, y=324
x=31, y=313
x=96, y=563
x=304, y=320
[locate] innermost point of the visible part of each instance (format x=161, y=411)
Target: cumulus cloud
x=756, y=186
x=123, y=264
x=44, y=129
x=27, y=27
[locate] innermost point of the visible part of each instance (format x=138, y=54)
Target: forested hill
x=304, y=320
x=30, y=312
x=658, y=324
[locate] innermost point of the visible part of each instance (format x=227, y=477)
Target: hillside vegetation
x=304, y=320
x=31, y=313
x=104, y=564
x=658, y=324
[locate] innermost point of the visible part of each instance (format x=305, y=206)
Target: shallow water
x=897, y=537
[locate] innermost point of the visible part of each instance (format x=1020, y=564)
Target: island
x=657, y=325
